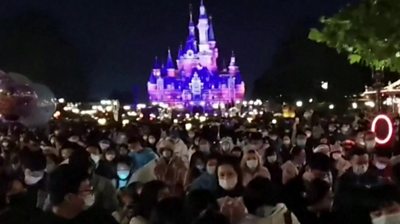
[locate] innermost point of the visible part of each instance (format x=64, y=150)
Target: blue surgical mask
x=123, y=174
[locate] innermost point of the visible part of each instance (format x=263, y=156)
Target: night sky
x=117, y=40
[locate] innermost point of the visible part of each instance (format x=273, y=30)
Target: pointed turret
x=203, y=12
x=170, y=64
x=191, y=39
x=211, y=34
x=157, y=64
x=232, y=64
x=180, y=51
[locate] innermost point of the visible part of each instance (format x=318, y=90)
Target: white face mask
x=370, y=145
x=167, y=154
x=89, y=201
x=387, y=219
x=95, y=158
x=252, y=164
x=211, y=170
x=380, y=166
x=225, y=147
x=272, y=159
x=360, y=169
x=228, y=184
x=286, y=142
x=31, y=180
x=123, y=174
x=200, y=167
x=152, y=140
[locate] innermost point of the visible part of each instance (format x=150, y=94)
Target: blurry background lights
x=202, y=119
x=141, y=106
x=188, y=126
x=299, y=103
x=354, y=105
x=331, y=107
x=125, y=122
x=102, y=121
x=310, y=100
x=324, y=85
x=370, y=104
x=127, y=107
x=61, y=100
x=274, y=121
x=175, y=121
x=56, y=114
x=75, y=111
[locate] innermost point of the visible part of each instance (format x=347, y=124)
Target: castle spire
x=156, y=63
x=170, y=63
x=203, y=13
x=233, y=59
x=180, y=51
x=211, y=34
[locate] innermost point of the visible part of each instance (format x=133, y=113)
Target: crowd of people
x=311, y=170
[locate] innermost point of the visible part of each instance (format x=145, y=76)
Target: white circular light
x=390, y=129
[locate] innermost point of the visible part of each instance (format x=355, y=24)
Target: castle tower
x=211, y=34
x=232, y=68
x=170, y=65
x=156, y=68
x=213, y=46
x=202, y=26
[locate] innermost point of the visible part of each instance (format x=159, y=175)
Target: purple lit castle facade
x=196, y=78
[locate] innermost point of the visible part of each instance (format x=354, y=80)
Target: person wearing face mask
x=107, y=165
x=381, y=163
x=104, y=144
x=358, y=175
x=285, y=149
x=141, y=156
x=237, y=152
x=207, y=180
x=274, y=167
x=303, y=143
x=72, y=199
x=95, y=154
x=34, y=164
x=252, y=167
x=204, y=146
x=124, y=171
x=295, y=166
x=196, y=168
x=226, y=145
x=104, y=191
x=171, y=170
x=152, y=141
x=369, y=141
x=230, y=189
x=180, y=148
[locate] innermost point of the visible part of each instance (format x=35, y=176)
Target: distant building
x=195, y=78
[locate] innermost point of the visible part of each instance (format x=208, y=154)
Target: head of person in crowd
x=70, y=191
x=197, y=164
x=104, y=144
x=212, y=163
x=168, y=211
x=124, y=170
x=332, y=128
x=135, y=145
x=322, y=148
x=369, y=140
x=174, y=135
x=34, y=165
x=237, y=152
x=271, y=157
x=319, y=196
x=229, y=177
x=130, y=194
x=381, y=158
x=191, y=135
x=319, y=168
x=298, y=156
x=66, y=152
x=359, y=160
x=226, y=145
x=80, y=159
x=204, y=146
x=95, y=153
x=255, y=141
x=152, y=140
x=110, y=155
x=345, y=129
x=166, y=152
x=301, y=140
x=123, y=150
x=197, y=202
x=251, y=161
x=386, y=204
x=286, y=142
x=260, y=196
x=152, y=193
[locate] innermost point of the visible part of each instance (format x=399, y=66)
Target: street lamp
x=324, y=85
x=331, y=107
x=299, y=103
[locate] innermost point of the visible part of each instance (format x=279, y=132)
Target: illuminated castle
x=195, y=79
